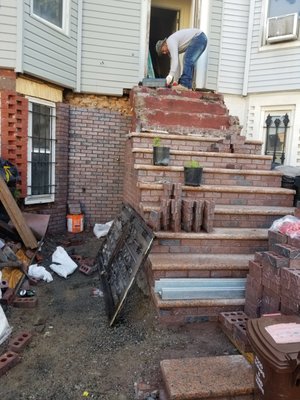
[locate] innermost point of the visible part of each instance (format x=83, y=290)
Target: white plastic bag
x=101, y=230
x=39, y=272
x=5, y=329
x=288, y=225
x=64, y=265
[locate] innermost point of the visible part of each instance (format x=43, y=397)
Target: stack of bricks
x=178, y=214
x=274, y=278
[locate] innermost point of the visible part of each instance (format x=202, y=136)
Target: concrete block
x=255, y=270
x=7, y=361
x=17, y=343
x=87, y=270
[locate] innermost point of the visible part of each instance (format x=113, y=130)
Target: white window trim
x=65, y=29
x=46, y=198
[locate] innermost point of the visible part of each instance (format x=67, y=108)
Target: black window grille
x=276, y=133
x=42, y=147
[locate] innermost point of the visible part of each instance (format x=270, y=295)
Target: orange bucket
x=75, y=223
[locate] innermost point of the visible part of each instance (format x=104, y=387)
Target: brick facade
x=96, y=161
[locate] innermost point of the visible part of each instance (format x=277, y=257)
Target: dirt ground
x=74, y=354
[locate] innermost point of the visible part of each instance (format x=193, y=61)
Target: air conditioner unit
x=282, y=28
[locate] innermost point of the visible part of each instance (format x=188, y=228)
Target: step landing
x=208, y=378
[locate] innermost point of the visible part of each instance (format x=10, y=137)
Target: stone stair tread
x=255, y=210
x=217, y=233
x=206, y=154
x=192, y=303
x=180, y=261
x=243, y=210
x=211, y=170
x=221, y=188
x=179, y=136
x=219, y=377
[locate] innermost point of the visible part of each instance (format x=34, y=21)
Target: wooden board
x=16, y=216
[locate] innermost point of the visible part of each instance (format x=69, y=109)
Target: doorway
x=163, y=23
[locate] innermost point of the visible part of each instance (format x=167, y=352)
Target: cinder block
x=289, y=305
x=8, y=296
x=18, y=343
x=276, y=238
x=25, y=302
x=240, y=337
x=228, y=319
x=252, y=309
x=87, y=270
x=270, y=258
x=288, y=251
x=254, y=289
x=7, y=361
x=290, y=282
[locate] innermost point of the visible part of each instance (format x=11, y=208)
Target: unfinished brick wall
x=58, y=209
x=96, y=161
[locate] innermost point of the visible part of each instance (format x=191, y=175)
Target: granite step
x=204, y=141
x=219, y=241
x=227, y=216
x=151, y=194
x=211, y=176
x=180, y=265
x=207, y=158
x=208, y=378
x=193, y=310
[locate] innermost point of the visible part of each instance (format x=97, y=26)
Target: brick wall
x=58, y=209
x=96, y=161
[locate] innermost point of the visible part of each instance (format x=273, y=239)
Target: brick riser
x=152, y=195
x=206, y=159
x=211, y=176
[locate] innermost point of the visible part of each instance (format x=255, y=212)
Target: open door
x=167, y=16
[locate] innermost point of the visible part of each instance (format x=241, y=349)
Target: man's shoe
x=180, y=87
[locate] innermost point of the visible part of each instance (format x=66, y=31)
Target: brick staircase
x=246, y=194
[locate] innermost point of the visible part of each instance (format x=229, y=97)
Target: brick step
x=208, y=159
x=219, y=241
x=151, y=194
x=195, y=142
x=226, y=216
x=177, y=102
x=181, y=265
x=208, y=378
x=188, y=311
x=248, y=217
x=210, y=176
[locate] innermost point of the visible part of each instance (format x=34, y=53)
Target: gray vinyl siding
x=8, y=33
x=214, y=39
x=233, y=46
x=277, y=69
x=48, y=53
x=110, y=46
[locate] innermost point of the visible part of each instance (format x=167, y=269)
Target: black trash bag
x=9, y=172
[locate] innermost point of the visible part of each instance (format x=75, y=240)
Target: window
x=41, y=152
x=282, y=20
x=53, y=12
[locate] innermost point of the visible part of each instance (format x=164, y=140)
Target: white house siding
x=8, y=33
x=214, y=38
x=48, y=53
x=233, y=46
x=110, y=46
x=273, y=67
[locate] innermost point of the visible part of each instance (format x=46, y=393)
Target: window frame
x=49, y=197
x=265, y=45
x=65, y=17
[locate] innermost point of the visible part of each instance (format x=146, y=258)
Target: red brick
x=7, y=361
x=18, y=343
x=25, y=302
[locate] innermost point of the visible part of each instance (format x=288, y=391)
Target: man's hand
x=169, y=79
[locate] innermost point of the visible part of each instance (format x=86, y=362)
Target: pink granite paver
x=221, y=377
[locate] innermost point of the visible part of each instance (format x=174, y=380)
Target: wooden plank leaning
x=16, y=216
